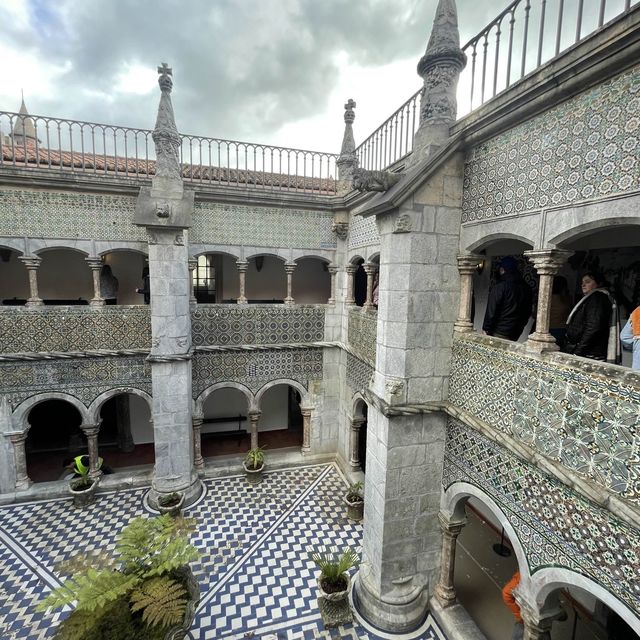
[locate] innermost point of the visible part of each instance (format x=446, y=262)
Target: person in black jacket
x=509, y=303
x=589, y=323
x=146, y=286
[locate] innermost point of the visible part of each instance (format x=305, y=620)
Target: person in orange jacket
x=510, y=601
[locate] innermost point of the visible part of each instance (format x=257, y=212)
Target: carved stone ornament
x=402, y=224
x=394, y=386
x=163, y=210
x=365, y=180
x=341, y=229
x=152, y=238
x=179, y=239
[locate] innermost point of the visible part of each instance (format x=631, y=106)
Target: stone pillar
x=254, y=416
x=351, y=274
x=289, y=268
x=95, y=264
x=537, y=623
x=333, y=270
x=370, y=269
x=18, y=439
x=91, y=431
x=193, y=264
x=306, y=428
x=166, y=211
x=444, y=591
x=242, y=265
x=123, y=424
x=547, y=263
x=32, y=263
x=354, y=442
x=467, y=265
x=198, y=460
x=419, y=292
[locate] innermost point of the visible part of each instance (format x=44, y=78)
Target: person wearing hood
x=593, y=329
x=509, y=303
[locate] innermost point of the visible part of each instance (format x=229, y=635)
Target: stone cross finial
x=349, y=115
x=347, y=160
x=165, y=81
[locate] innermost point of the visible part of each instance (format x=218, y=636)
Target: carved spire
x=24, y=127
x=165, y=135
x=440, y=69
x=347, y=161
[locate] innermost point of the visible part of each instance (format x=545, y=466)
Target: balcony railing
x=581, y=414
x=523, y=37
x=124, y=152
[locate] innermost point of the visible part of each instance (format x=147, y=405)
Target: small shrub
x=333, y=566
x=254, y=458
x=354, y=492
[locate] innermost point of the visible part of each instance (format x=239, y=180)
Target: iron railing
x=523, y=37
x=126, y=152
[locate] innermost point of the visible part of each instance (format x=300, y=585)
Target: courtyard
x=256, y=579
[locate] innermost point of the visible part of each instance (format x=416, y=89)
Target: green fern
x=162, y=601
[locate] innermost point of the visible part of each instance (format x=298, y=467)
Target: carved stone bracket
x=365, y=180
x=341, y=229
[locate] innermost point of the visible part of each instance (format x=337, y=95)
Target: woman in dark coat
x=590, y=325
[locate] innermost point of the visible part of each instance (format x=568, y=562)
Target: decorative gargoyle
x=365, y=180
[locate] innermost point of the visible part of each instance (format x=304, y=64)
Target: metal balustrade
x=125, y=152
x=523, y=37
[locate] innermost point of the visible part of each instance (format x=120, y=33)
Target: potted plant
x=144, y=590
x=171, y=504
x=253, y=464
x=355, y=502
x=334, y=584
x=82, y=488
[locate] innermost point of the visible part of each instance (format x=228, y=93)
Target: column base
x=165, y=488
x=399, y=613
x=446, y=596
x=539, y=342
x=461, y=326
x=23, y=485
x=96, y=303
x=34, y=302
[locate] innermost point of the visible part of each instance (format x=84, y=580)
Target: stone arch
x=492, y=238
x=96, y=405
x=292, y=383
x=269, y=254
x=550, y=579
x=21, y=413
x=573, y=233
x=374, y=257
x=356, y=258
x=8, y=244
x=312, y=256
x=199, y=249
x=453, y=502
x=203, y=251
x=60, y=247
x=356, y=401
x=120, y=249
x=200, y=400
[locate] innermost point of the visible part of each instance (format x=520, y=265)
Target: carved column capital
x=94, y=262
x=290, y=267
x=548, y=262
x=468, y=262
x=370, y=267
x=351, y=269
x=90, y=429
x=17, y=437
x=30, y=262
x=242, y=265
x=451, y=527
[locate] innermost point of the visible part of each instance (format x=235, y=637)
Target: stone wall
x=362, y=334
x=555, y=526
x=580, y=413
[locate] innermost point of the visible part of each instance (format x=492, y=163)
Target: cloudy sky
x=271, y=71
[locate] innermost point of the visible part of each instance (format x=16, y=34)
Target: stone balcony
x=575, y=418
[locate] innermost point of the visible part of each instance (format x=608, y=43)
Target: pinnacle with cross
x=350, y=105
x=349, y=115
x=164, y=80
x=165, y=69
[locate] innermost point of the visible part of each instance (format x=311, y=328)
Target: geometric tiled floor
x=254, y=572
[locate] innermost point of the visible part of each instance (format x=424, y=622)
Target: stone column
x=354, y=442
x=444, y=591
x=537, y=623
x=242, y=265
x=95, y=264
x=467, y=265
x=306, y=428
x=91, y=431
x=198, y=460
x=333, y=269
x=370, y=269
x=351, y=274
x=547, y=263
x=18, y=439
x=289, y=268
x=254, y=416
x=32, y=263
x=193, y=264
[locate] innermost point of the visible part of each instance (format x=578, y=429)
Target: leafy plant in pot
x=82, y=488
x=253, y=464
x=334, y=584
x=145, y=590
x=354, y=500
x=171, y=504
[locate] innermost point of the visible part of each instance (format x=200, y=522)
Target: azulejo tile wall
x=586, y=422
x=555, y=526
x=363, y=232
x=358, y=373
x=256, y=324
x=74, y=328
x=223, y=223
x=363, y=331
x=584, y=149
x=254, y=369
x=53, y=214
x=84, y=378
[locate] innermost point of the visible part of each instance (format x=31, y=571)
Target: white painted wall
x=225, y=403
x=127, y=267
x=141, y=429
x=64, y=274
x=274, y=409
x=230, y=279
x=14, y=282
x=270, y=283
x=311, y=282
